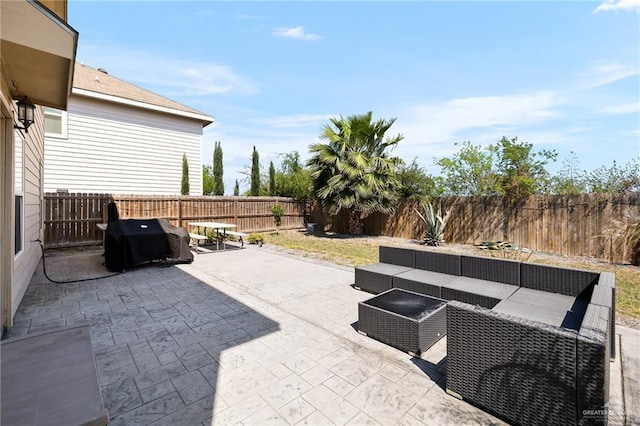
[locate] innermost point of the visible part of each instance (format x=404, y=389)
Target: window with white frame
x=19, y=193
x=55, y=123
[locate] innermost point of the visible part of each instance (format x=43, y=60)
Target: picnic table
x=222, y=230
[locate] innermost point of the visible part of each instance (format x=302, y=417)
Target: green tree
x=416, y=183
x=207, y=180
x=292, y=179
x=272, y=179
x=469, y=172
x=184, y=189
x=615, y=179
x=570, y=179
x=521, y=170
x=218, y=183
x=255, y=173
x=353, y=169
x=236, y=188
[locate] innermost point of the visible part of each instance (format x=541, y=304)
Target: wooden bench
x=197, y=238
x=237, y=234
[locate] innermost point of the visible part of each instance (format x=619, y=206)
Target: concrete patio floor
x=255, y=336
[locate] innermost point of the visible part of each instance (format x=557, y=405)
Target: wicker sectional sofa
x=529, y=343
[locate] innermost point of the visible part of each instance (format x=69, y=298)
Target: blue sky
x=561, y=75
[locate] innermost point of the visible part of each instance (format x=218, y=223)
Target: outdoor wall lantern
x=26, y=111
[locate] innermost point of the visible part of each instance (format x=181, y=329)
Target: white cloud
x=621, y=109
x=297, y=33
x=431, y=129
x=604, y=74
x=440, y=122
x=298, y=120
x=166, y=75
x=620, y=5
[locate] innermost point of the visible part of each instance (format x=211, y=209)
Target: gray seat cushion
x=421, y=281
x=384, y=268
x=476, y=292
x=548, y=308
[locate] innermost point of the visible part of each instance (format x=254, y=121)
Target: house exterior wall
x=120, y=149
x=6, y=199
x=45, y=42
x=26, y=262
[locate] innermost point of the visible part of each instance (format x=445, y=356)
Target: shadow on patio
x=157, y=332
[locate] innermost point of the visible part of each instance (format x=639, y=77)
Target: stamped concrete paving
x=247, y=337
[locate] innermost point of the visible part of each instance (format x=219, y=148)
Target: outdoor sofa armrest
x=377, y=277
x=593, y=367
x=604, y=294
x=608, y=279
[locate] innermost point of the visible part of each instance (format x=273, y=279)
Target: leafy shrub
x=255, y=238
x=277, y=211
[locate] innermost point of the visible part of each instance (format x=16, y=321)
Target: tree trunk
x=356, y=225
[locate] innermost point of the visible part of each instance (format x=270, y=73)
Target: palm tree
x=353, y=169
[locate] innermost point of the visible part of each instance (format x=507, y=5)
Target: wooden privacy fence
x=582, y=225
x=70, y=219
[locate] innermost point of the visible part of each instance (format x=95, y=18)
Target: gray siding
x=25, y=263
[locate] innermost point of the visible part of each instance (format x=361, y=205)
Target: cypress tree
x=255, y=173
x=218, y=183
x=236, y=189
x=272, y=179
x=184, y=190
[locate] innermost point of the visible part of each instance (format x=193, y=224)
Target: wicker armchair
x=525, y=371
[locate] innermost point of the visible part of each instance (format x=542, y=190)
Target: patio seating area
x=276, y=343
x=530, y=343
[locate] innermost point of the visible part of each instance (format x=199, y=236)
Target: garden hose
x=44, y=269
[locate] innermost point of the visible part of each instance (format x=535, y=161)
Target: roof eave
x=203, y=118
x=38, y=52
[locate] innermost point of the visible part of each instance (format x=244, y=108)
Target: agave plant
x=434, y=224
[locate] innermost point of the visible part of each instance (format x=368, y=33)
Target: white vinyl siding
x=119, y=149
x=25, y=264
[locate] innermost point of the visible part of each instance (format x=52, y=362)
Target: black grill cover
x=131, y=242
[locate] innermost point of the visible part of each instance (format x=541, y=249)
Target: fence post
x=105, y=203
x=235, y=210
x=180, y=211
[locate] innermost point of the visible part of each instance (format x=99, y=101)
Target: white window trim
x=19, y=193
x=63, y=118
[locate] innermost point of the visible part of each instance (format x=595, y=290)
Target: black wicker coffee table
x=406, y=320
